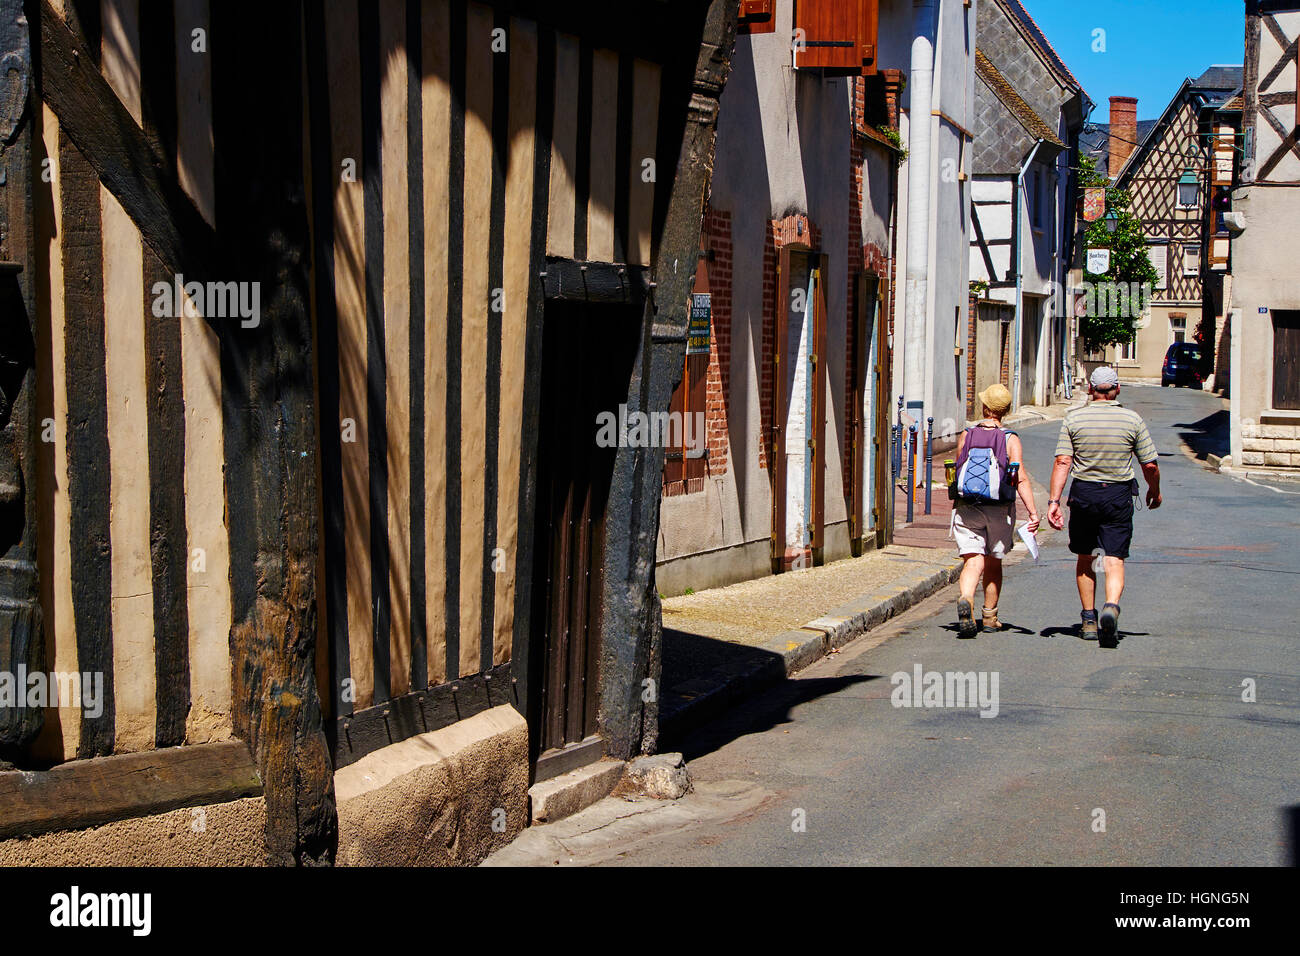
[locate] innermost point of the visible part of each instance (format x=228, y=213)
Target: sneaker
x=1108, y=633
x=966, y=626
x=1088, y=628
x=991, y=622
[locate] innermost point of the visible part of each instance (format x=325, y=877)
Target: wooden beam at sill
x=86, y=793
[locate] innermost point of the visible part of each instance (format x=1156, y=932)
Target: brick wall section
x=1005, y=372
x=854, y=258
x=717, y=239
x=768, y=346
x=793, y=229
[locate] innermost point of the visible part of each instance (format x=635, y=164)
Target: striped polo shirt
x=1102, y=437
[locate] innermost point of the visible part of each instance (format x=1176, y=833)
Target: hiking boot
x=966, y=626
x=1108, y=626
x=991, y=622
x=1088, y=628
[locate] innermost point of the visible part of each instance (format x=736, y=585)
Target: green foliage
x=979, y=286
x=1125, y=288
x=895, y=138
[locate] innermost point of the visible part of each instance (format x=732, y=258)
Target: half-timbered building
x=1169, y=173
x=1265, y=289
x=313, y=309
x=1029, y=112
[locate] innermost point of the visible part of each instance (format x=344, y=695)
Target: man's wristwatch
x=1054, y=501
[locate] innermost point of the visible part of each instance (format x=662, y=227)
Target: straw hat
x=996, y=398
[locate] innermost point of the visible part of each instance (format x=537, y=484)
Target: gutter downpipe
x=1020, y=271
x=920, y=92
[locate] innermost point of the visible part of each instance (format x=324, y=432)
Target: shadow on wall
x=742, y=160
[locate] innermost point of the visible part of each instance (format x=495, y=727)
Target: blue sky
x=1151, y=46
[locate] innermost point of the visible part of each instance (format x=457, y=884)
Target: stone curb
x=852, y=620
x=1226, y=467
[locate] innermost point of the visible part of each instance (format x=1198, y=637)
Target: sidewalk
x=724, y=644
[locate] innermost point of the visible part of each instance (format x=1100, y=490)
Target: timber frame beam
x=117, y=149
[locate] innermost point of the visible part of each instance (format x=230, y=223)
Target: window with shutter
x=837, y=37
x=757, y=16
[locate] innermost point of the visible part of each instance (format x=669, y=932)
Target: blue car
x=1182, y=365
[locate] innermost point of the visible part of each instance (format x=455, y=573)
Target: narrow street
x=1155, y=733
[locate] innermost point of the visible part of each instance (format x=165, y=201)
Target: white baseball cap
x=1105, y=377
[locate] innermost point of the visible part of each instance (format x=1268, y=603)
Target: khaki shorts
x=984, y=529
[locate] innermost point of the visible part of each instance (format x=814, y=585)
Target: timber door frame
x=882, y=513
x=866, y=375
x=1284, y=370
x=781, y=557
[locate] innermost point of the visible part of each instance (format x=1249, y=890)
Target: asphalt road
x=1154, y=734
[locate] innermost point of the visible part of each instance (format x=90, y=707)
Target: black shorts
x=1101, y=517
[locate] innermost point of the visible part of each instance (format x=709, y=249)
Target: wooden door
x=784, y=373
x=1286, y=359
x=776, y=454
x=862, y=425
x=686, y=458
x=587, y=356
x=816, y=459
x=882, y=515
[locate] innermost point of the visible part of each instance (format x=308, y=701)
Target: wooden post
x=629, y=669
x=270, y=423
x=22, y=646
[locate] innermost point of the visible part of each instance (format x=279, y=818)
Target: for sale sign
x=697, y=333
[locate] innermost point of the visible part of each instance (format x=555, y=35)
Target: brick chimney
x=1123, y=131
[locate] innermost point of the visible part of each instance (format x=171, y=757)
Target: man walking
x=1097, y=445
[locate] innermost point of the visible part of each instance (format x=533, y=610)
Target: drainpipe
x=920, y=87
x=1058, y=284
x=1020, y=273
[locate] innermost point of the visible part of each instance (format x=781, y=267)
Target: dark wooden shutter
x=839, y=36
x=757, y=16
x=1286, y=359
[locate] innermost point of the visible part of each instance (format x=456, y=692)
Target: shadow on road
x=1209, y=436
x=756, y=715
x=1292, y=827
x=704, y=679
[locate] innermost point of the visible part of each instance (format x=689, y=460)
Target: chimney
x=1123, y=131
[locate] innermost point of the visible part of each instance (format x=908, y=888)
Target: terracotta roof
x=1007, y=94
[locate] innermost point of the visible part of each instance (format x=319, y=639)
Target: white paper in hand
x=1030, y=539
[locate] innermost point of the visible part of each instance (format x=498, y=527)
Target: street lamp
x=1111, y=220
x=1187, y=188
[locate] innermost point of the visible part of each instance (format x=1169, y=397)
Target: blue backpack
x=982, y=467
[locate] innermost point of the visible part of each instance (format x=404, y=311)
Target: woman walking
x=990, y=474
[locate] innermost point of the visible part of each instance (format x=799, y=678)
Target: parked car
x=1182, y=365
